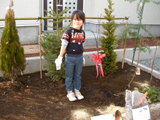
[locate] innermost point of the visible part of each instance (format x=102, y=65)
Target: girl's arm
x=62, y=51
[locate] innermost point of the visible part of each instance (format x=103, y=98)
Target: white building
x=28, y=29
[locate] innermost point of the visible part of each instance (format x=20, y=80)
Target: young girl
x=72, y=46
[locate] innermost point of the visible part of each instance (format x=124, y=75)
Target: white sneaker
x=71, y=97
x=79, y=95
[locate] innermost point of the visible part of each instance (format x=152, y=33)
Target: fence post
x=124, y=45
x=40, y=46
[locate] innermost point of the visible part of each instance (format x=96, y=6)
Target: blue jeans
x=73, y=68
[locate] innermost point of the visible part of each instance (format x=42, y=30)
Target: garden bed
x=41, y=99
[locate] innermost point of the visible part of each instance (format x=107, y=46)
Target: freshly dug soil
x=41, y=99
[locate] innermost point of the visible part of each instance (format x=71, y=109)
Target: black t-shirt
x=75, y=39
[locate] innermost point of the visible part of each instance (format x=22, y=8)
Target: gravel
x=156, y=65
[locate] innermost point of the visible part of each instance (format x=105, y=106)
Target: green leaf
x=158, y=97
x=155, y=91
x=140, y=89
x=147, y=1
x=156, y=2
x=147, y=90
x=152, y=99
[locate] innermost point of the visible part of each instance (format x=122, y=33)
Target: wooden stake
x=11, y=4
x=137, y=63
x=40, y=46
x=100, y=79
x=153, y=59
x=124, y=46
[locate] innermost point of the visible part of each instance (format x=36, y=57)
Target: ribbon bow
x=97, y=58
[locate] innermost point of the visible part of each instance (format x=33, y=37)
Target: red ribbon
x=97, y=58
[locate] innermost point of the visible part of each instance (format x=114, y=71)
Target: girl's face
x=77, y=23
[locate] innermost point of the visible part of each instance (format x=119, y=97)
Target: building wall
x=122, y=8
x=22, y=8
x=92, y=8
x=27, y=29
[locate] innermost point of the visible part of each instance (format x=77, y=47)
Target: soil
x=41, y=99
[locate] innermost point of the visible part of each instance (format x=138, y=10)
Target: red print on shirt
x=77, y=38
x=65, y=36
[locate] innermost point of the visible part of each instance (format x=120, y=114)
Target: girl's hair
x=79, y=15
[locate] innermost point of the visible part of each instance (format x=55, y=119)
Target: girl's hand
x=58, y=62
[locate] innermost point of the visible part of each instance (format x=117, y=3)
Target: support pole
x=62, y=17
x=11, y=4
x=154, y=59
x=40, y=46
x=57, y=10
x=124, y=45
x=137, y=64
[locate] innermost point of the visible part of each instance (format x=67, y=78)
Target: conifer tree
x=12, y=59
x=51, y=44
x=108, y=41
